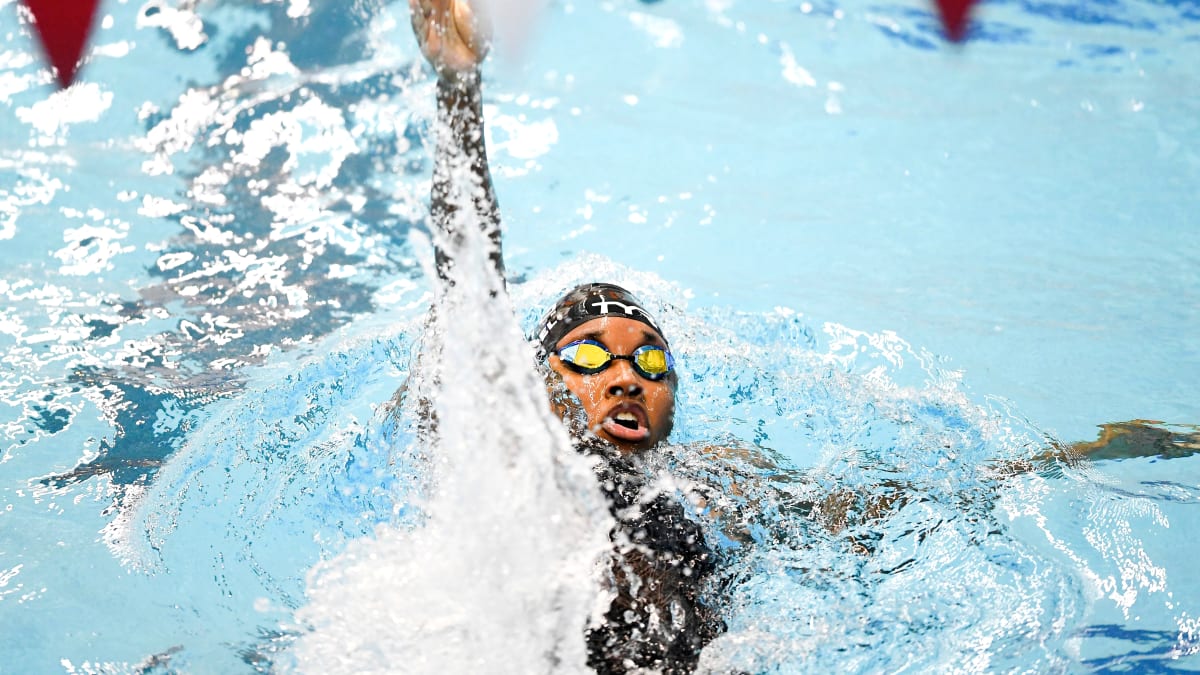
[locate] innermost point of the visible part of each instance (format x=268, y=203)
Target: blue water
x=882, y=259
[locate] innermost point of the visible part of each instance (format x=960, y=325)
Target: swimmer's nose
x=631, y=390
x=625, y=381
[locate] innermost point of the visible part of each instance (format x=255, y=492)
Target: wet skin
x=622, y=407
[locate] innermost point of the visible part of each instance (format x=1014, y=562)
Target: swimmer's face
x=622, y=407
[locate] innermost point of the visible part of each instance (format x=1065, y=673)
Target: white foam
x=53, y=115
x=502, y=575
x=182, y=23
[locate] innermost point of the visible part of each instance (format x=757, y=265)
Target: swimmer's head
x=611, y=355
x=585, y=303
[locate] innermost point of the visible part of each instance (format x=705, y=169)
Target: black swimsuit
x=660, y=562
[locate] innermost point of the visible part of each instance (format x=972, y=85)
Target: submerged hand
x=453, y=36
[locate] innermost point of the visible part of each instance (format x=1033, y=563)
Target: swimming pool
x=883, y=256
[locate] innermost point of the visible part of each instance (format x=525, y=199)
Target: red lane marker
x=954, y=17
x=64, y=26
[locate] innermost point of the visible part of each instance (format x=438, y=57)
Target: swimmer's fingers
x=476, y=26
x=453, y=36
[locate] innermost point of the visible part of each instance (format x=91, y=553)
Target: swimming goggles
x=590, y=357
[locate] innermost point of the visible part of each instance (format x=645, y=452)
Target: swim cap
x=584, y=303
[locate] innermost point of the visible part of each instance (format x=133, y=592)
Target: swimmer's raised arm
x=455, y=39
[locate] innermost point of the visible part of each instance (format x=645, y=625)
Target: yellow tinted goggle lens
x=653, y=361
x=588, y=356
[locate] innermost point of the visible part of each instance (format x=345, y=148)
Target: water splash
x=849, y=484
x=502, y=574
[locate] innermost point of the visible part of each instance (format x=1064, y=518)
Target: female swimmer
x=607, y=352
x=610, y=375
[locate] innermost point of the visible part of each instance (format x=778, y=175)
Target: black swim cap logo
x=603, y=308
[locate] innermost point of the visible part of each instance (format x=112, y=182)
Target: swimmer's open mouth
x=626, y=420
x=627, y=423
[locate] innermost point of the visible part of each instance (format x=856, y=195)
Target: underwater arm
x=1123, y=440
x=756, y=482
x=454, y=39
x=749, y=482
x=1136, y=438
x=1118, y=440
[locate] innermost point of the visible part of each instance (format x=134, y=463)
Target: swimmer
x=610, y=374
x=618, y=372
x=609, y=369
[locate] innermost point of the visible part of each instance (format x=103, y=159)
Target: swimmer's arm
x=1123, y=440
x=1119, y=440
x=463, y=193
x=746, y=475
x=1137, y=438
x=753, y=470
x=454, y=41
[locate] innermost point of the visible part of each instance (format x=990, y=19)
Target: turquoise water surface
x=895, y=267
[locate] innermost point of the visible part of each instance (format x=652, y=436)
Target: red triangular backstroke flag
x=954, y=17
x=64, y=26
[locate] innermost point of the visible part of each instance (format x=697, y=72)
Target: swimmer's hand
x=454, y=37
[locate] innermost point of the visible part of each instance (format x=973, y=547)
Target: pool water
x=893, y=266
